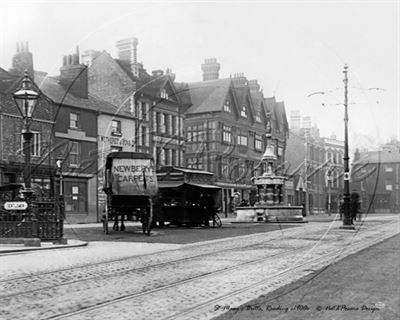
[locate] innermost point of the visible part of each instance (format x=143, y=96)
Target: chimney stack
x=170, y=74
x=127, y=51
x=74, y=76
x=239, y=79
x=295, y=120
x=210, y=69
x=254, y=86
x=157, y=73
x=22, y=60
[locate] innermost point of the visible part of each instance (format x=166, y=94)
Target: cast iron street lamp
x=26, y=100
x=59, y=164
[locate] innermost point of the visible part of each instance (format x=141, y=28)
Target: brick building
x=12, y=161
x=334, y=169
x=376, y=177
x=76, y=137
x=225, y=127
x=151, y=99
x=315, y=167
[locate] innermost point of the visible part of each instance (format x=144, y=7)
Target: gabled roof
x=53, y=90
x=6, y=80
x=208, y=96
x=278, y=114
x=126, y=67
x=153, y=85
x=243, y=94
x=182, y=92
x=122, y=66
x=281, y=114
x=258, y=102
x=269, y=104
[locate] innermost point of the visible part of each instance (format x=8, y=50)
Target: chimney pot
x=157, y=73
x=210, y=69
x=22, y=60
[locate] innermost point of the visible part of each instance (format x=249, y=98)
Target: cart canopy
x=177, y=184
x=131, y=173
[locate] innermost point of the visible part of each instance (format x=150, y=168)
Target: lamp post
x=26, y=100
x=59, y=164
x=329, y=180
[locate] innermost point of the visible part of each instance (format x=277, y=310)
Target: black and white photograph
x=199, y=159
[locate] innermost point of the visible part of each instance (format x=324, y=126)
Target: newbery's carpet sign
x=133, y=177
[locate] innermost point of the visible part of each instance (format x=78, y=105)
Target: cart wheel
x=216, y=222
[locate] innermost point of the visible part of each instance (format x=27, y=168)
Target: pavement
x=362, y=286
x=79, y=235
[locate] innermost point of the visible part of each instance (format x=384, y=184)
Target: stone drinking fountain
x=269, y=206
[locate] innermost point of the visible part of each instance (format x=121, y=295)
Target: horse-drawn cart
x=130, y=186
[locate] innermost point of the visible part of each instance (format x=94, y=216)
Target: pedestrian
x=203, y=209
x=341, y=208
x=303, y=209
x=210, y=208
x=355, y=207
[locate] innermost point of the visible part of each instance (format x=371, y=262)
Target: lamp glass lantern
x=26, y=99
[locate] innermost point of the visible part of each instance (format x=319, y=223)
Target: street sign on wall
x=16, y=205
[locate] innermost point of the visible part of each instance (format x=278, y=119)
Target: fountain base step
x=264, y=213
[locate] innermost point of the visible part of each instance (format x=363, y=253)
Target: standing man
x=210, y=208
x=355, y=207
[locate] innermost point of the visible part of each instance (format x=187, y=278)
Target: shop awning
x=205, y=186
x=170, y=184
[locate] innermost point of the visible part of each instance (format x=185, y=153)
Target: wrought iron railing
x=43, y=219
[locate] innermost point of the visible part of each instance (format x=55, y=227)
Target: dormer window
x=227, y=106
x=243, y=112
x=258, y=115
x=164, y=93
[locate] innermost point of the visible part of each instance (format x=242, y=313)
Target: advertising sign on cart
x=133, y=177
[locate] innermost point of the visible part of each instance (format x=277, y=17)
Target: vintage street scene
x=199, y=160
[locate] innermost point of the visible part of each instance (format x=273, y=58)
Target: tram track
x=172, y=285
x=326, y=258
x=207, y=266
x=122, y=259
x=26, y=298
x=90, y=272
x=221, y=300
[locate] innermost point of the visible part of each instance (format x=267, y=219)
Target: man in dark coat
x=210, y=207
x=355, y=206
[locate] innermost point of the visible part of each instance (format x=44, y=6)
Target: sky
x=293, y=48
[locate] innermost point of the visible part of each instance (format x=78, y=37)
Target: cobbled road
x=192, y=282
